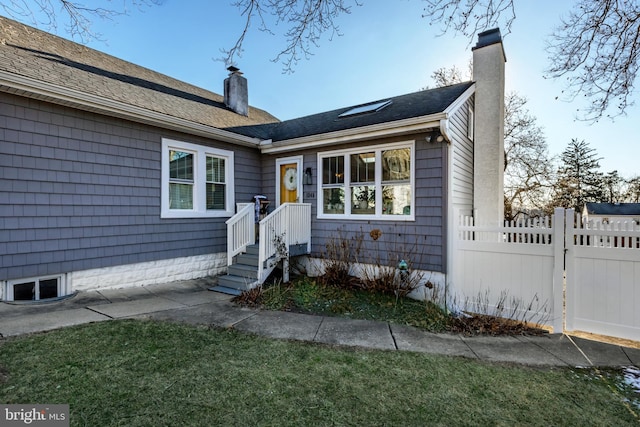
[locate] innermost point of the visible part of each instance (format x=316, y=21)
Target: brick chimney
x=488, y=73
x=236, y=93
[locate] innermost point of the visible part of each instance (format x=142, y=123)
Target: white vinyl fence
x=603, y=279
x=518, y=271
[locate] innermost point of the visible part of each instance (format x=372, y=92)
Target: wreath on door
x=291, y=179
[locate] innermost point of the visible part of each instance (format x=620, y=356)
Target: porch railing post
x=287, y=239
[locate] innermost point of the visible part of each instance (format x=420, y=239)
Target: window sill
x=194, y=214
x=362, y=217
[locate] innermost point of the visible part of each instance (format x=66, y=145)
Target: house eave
x=452, y=108
x=459, y=102
x=37, y=89
x=380, y=130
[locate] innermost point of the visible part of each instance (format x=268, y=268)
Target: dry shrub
x=389, y=280
x=251, y=298
x=339, y=252
x=375, y=273
x=507, y=316
x=482, y=324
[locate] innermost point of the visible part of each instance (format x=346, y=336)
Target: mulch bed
x=479, y=324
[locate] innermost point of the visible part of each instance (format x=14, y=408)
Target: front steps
x=242, y=274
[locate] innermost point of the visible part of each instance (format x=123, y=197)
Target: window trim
x=471, y=123
x=200, y=153
x=347, y=185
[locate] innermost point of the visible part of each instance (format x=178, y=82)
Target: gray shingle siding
x=423, y=238
x=81, y=191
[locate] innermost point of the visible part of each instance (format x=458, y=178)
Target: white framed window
x=36, y=289
x=197, y=181
x=375, y=182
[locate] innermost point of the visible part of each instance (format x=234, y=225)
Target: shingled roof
x=417, y=104
x=613, y=209
x=37, y=55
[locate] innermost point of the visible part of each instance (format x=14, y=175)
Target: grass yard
x=309, y=296
x=148, y=373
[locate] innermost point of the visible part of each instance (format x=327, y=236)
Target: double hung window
x=197, y=181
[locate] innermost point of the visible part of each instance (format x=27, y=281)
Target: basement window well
x=48, y=288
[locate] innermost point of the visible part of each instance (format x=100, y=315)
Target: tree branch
x=306, y=22
x=597, y=49
x=470, y=17
x=47, y=14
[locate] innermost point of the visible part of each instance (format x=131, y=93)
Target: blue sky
x=386, y=49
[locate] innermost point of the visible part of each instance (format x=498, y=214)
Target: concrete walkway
x=191, y=302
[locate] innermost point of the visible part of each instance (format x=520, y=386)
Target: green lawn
x=147, y=373
x=309, y=296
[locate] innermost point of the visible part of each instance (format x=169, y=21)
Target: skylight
x=367, y=108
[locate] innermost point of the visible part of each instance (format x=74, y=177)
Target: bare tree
x=469, y=17
x=528, y=169
x=632, y=190
x=447, y=76
x=305, y=21
x=74, y=15
x=597, y=48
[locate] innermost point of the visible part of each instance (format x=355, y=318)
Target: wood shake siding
x=80, y=191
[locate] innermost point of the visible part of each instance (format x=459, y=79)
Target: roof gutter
x=25, y=86
x=396, y=128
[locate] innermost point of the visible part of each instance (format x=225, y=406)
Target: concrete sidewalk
x=191, y=302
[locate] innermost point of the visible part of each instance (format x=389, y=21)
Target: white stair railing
x=289, y=224
x=241, y=231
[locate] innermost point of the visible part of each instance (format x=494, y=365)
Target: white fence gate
x=558, y=271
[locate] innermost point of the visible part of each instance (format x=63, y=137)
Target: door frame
x=283, y=161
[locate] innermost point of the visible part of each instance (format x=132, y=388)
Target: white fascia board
x=380, y=130
x=460, y=100
x=452, y=108
x=69, y=97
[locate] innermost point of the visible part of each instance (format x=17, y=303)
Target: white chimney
x=236, y=93
x=488, y=73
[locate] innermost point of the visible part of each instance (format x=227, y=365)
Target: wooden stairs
x=242, y=275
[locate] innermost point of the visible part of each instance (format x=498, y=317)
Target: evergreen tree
x=613, y=185
x=578, y=179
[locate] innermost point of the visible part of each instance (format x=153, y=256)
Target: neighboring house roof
x=613, y=209
x=32, y=56
x=417, y=104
